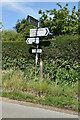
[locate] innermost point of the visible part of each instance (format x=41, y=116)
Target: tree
x=23, y=27
x=60, y=21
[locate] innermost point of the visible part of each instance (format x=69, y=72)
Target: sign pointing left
x=31, y=40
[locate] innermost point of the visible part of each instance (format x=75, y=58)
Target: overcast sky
x=12, y=11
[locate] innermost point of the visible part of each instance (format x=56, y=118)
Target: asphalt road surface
x=14, y=110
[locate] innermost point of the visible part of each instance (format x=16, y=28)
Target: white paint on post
x=41, y=70
x=38, y=24
x=36, y=58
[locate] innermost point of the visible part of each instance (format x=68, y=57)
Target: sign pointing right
x=39, y=32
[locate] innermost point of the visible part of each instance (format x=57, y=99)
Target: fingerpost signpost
x=34, y=38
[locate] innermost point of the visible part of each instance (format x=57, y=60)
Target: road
x=13, y=110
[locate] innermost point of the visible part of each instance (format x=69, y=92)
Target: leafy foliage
x=60, y=21
x=23, y=27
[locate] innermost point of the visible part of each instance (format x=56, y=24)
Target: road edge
x=38, y=105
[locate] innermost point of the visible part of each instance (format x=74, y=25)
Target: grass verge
x=44, y=92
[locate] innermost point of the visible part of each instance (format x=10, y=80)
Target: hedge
x=62, y=54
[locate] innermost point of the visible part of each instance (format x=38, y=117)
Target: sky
x=12, y=11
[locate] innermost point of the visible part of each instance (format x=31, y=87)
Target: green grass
x=15, y=86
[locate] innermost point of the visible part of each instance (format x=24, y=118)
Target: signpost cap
x=32, y=20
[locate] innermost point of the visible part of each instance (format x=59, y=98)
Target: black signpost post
x=34, y=34
x=35, y=23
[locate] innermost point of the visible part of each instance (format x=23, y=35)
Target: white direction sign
x=36, y=50
x=39, y=32
x=31, y=40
